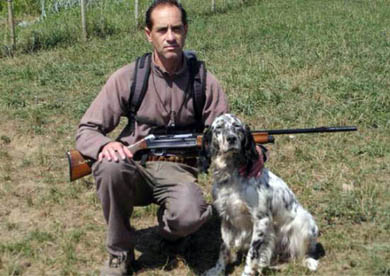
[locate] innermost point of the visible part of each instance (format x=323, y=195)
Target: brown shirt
x=166, y=95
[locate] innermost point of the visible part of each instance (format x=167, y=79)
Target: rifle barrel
x=307, y=130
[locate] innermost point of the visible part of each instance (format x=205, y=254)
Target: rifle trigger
x=159, y=152
x=143, y=160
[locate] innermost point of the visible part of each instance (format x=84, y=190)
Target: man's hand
x=114, y=151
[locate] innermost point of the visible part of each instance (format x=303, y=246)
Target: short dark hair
x=155, y=3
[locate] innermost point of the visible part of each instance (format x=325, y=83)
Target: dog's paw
x=215, y=271
x=311, y=264
x=249, y=271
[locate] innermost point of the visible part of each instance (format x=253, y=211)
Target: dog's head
x=228, y=136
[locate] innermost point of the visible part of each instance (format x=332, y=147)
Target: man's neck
x=171, y=66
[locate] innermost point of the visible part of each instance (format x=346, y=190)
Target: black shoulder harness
x=141, y=75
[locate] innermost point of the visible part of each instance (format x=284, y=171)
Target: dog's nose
x=231, y=139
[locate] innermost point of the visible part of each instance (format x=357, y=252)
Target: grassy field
x=284, y=64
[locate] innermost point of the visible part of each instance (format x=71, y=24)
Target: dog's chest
x=234, y=203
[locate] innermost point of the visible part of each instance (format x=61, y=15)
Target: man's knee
x=187, y=211
x=190, y=221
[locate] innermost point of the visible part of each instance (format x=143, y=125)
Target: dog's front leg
x=261, y=247
x=223, y=260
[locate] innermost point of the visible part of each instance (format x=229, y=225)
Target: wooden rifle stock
x=78, y=165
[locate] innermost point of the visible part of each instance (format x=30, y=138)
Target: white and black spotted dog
x=260, y=216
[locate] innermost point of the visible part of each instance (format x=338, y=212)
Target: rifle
x=80, y=166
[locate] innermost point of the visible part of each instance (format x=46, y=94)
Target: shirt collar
x=162, y=73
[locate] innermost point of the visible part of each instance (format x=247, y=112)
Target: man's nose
x=170, y=34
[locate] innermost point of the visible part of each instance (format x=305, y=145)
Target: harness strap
x=197, y=85
x=138, y=88
x=198, y=79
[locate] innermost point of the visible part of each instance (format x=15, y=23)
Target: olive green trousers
x=173, y=186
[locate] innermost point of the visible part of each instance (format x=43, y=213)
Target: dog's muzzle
x=231, y=139
x=232, y=142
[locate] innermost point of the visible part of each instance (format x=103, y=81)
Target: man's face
x=168, y=32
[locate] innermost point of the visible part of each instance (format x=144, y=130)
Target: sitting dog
x=259, y=215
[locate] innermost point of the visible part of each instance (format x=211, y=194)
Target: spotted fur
x=260, y=216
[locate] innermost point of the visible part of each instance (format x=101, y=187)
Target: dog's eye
x=218, y=129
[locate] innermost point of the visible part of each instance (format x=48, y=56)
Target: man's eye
x=162, y=30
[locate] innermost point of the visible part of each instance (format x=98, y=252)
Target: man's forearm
x=89, y=142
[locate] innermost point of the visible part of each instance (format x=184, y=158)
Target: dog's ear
x=205, y=152
x=249, y=149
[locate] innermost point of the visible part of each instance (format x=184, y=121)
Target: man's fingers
x=127, y=152
x=114, y=151
x=100, y=156
x=107, y=155
x=121, y=153
x=113, y=154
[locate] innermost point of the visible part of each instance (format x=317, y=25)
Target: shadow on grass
x=199, y=253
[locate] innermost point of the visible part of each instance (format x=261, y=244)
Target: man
x=124, y=182
x=121, y=182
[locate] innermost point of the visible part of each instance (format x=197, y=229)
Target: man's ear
x=147, y=33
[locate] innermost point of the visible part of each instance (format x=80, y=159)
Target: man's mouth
x=171, y=47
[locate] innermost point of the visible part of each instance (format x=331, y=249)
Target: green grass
x=283, y=64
